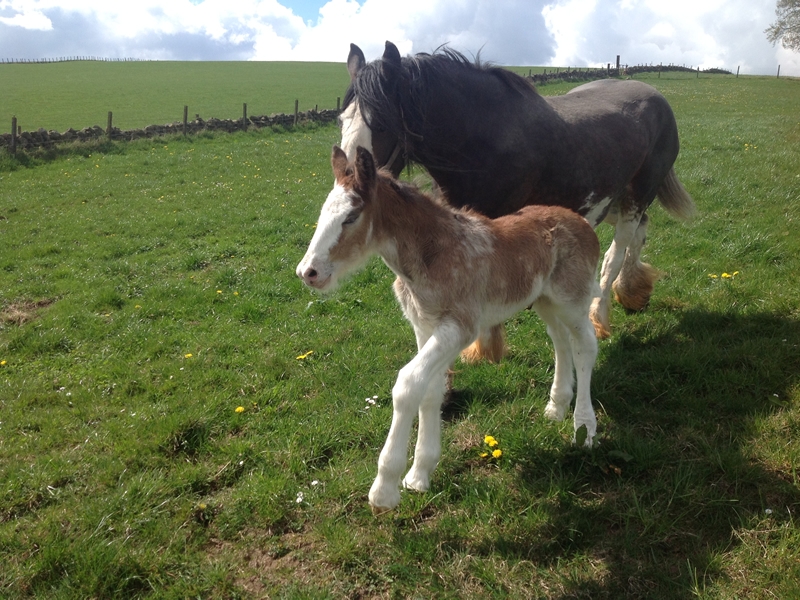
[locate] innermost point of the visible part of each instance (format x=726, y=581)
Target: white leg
x=584, y=354
x=429, y=437
x=415, y=386
x=612, y=263
x=562, y=389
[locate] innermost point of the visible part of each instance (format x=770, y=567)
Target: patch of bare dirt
x=19, y=313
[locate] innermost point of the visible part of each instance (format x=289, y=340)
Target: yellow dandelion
x=235, y=293
x=712, y=276
x=189, y=355
x=490, y=441
x=484, y=454
x=240, y=409
x=2, y=363
x=306, y=355
x=219, y=291
x=735, y=273
x=497, y=453
x=726, y=275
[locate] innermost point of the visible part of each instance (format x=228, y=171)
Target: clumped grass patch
x=179, y=417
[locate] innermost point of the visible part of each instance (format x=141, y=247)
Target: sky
x=726, y=34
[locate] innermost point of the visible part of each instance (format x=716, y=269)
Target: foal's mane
x=395, y=101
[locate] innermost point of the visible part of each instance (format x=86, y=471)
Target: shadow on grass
x=678, y=471
x=682, y=469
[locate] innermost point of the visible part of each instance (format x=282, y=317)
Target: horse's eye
x=352, y=218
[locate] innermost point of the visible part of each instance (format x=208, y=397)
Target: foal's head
x=342, y=240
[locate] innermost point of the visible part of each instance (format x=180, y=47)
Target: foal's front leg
x=419, y=388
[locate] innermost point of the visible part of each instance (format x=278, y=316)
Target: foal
x=458, y=275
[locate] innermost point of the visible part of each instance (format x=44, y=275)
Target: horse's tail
x=674, y=197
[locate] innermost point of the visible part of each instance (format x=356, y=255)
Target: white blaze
x=355, y=131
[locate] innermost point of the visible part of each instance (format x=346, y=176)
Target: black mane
x=394, y=102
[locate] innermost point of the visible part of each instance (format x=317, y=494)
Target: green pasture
x=180, y=418
x=80, y=94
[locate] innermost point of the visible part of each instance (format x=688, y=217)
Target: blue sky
x=307, y=9
x=707, y=33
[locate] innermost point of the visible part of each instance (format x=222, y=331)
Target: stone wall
x=42, y=138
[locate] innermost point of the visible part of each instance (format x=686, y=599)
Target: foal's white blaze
x=317, y=269
x=355, y=131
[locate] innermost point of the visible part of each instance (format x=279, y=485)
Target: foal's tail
x=674, y=197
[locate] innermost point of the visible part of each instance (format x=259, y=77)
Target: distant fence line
x=31, y=61
x=42, y=138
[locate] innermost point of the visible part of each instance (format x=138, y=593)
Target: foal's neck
x=414, y=229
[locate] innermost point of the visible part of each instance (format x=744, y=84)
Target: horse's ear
x=355, y=61
x=391, y=58
x=365, y=170
x=338, y=163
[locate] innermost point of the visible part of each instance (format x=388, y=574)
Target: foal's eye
x=351, y=218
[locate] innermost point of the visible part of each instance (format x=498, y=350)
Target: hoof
x=554, y=412
x=416, y=483
x=601, y=330
x=377, y=511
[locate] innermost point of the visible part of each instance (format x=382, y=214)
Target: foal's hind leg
x=561, y=391
x=636, y=280
x=624, y=233
x=575, y=345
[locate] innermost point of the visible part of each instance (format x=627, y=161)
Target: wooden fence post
x=185, y=118
x=244, y=116
x=698, y=72
x=13, y=135
x=108, y=128
x=296, y=107
x=779, y=71
x=737, y=72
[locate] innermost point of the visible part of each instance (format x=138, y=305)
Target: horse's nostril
x=311, y=274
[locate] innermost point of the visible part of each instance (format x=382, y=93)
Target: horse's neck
x=497, y=114
x=412, y=230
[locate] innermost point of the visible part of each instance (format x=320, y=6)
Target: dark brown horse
x=491, y=143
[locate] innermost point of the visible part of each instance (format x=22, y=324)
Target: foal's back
x=547, y=243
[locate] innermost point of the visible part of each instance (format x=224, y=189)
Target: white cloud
x=28, y=20
x=708, y=33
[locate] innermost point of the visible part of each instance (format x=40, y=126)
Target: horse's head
x=372, y=116
x=342, y=240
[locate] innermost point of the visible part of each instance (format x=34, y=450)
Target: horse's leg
x=624, y=233
x=561, y=391
x=491, y=345
x=408, y=394
x=429, y=436
x=584, y=356
x=636, y=279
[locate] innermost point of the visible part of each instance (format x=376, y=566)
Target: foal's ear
x=365, y=170
x=338, y=163
x=391, y=58
x=355, y=61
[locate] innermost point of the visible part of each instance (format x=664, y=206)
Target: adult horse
x=491, y=143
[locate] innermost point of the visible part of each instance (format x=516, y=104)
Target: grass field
x=180, y=418
x=80, y=94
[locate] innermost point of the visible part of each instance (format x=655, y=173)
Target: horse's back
x=613, y=98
